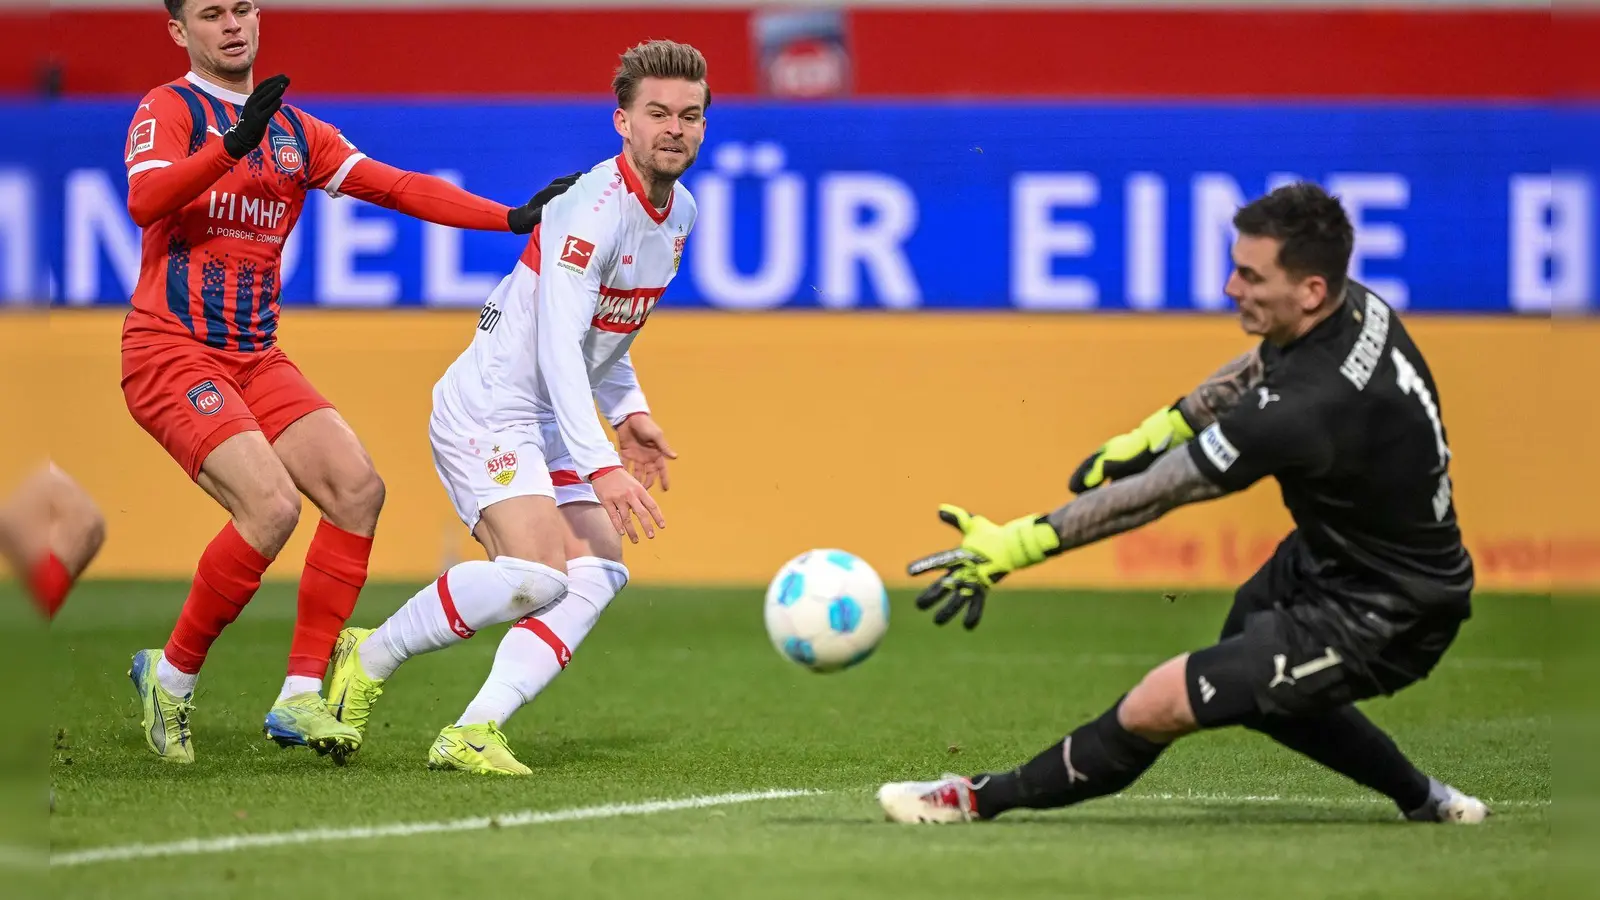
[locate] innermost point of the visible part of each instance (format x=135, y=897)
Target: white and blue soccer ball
x=826, y=610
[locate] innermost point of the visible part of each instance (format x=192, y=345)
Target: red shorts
x=191, y=397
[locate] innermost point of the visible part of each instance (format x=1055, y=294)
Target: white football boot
x=948, y=800
x=1446, y=804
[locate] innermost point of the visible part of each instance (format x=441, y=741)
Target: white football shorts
x=480, y=467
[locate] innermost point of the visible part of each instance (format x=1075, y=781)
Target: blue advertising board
x=873, y=205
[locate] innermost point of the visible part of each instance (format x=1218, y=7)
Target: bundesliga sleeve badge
x=141, y=138
x=576, y=254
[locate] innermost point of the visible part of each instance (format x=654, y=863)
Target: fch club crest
x=205, y=398
x=286, y=152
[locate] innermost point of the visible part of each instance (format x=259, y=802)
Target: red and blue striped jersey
x=211, y=269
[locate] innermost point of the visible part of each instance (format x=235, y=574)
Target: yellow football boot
x=304, y=721
x=351, y=692
x=166, y=716
x=479, y=749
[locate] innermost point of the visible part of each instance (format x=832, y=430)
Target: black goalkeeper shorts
x=1293, y=647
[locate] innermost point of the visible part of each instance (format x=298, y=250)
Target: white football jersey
x=553, y=338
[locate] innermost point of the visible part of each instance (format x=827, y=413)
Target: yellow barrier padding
x=800, y=430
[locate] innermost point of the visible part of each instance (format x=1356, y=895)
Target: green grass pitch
x=678, y=695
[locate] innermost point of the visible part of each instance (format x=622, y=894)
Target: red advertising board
x=1465, y=52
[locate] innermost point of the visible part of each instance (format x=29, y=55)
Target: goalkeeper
x=1361, y=599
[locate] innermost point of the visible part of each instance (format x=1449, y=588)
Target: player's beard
x=666, y=166
x=233, y=66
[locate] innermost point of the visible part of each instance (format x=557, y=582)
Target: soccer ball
x=826, y=610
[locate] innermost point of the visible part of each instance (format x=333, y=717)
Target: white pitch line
x=198, y=846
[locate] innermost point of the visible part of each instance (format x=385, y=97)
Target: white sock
x=176, y=683
x=538, y=647
x=468, y=597
x=299, y=684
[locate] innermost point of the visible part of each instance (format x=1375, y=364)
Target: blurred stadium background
x=944, y=250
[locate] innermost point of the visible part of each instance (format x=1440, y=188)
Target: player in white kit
x=515, y=438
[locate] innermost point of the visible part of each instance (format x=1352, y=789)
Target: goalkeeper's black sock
x=1349, y=743
x=1098, y=759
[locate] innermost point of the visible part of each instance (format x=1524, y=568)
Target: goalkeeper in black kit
x=1362, y=598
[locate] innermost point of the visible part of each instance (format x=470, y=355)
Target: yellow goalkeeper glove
x=988, y=553
x=1132, y=453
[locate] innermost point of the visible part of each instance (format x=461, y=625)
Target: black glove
x=263, y=103
x=525, y=217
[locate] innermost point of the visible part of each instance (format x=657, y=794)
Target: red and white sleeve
x=163, y=176
x=575, y=247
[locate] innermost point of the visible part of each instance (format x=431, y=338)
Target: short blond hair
x=658, y=59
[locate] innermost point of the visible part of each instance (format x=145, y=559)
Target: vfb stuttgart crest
x=677, y=250
x=205, y=398
x=502, y=467
x=286, y=152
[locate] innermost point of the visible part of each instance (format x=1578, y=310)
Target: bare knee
x=544, y=552
x=604, y=545
x=75, y=506
x=1157, y=709
x=590, y=533
x=81, y=531
x=548, y=560
x=358, y=502
x=525, y=528
x=267, y=518
x=328, y=463
x=350, y=496
x=58, y=516
x=244, y=475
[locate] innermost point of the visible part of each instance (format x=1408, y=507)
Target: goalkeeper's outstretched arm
x=989, y=552
x=1222, y=390
x=1130, y=482
x=1133, y=452
x=1173, y=480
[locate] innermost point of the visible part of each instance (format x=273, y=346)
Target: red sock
x=49, y=582
x=227, y=577
x=336, y=568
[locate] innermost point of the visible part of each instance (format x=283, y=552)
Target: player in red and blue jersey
x=218, y=172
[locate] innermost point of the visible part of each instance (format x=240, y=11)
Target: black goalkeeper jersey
x=1350, y=423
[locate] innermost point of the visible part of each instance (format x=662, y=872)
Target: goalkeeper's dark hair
x=657, y=59
x=175, y=8
x=1316, y=233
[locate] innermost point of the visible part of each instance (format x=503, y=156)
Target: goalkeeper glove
x=259, y=108
x=988, y=553
x=1132, y=453
x=522, y=219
